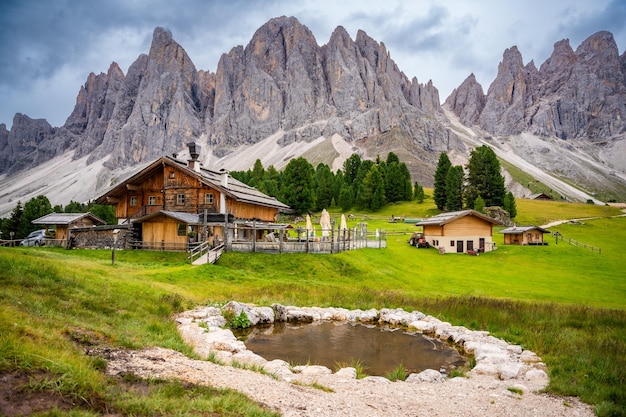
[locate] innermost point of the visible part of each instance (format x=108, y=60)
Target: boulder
x=428, y=375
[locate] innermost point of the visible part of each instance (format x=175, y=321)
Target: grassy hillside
x=563, y=302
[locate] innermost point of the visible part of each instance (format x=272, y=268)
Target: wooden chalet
x=58, y=224
x=172, y=203
x=524, y=235
x=460, y=231
x=540, y=196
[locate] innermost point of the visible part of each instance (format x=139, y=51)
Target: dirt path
x=474, y=396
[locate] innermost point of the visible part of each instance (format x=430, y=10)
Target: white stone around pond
x=428, y=375
x=203, y=329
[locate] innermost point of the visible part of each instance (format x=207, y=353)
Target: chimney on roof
x=224, y=178
x=194, y=153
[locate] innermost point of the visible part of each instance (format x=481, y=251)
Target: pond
x=380, y=349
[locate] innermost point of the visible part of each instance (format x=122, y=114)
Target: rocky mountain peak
x=467, y=101
x=504, y=107
x=579, y=94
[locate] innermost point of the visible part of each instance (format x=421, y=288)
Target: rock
x=509, y=370
x=574, y=94
x=422, y=326
x=376, y=379
x=515, y=349
x=467, y=101
x=265, y=315
x=349, y=373
x=486, y=369
x=529, y=357
x=536, y=374
x=280, y=312
x=312, y=370
x=223, y=339
x=249, y=358
x=428, y=375
x=278, y=367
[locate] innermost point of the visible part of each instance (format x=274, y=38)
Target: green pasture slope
x=566, y=303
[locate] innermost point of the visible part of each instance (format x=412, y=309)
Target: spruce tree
x=419, y=193
x=510, y=205
x=479, y=204
x=484, y=178
x=372, y=191
x=299, y=185
x=443, y=166
x=454, y=188
x=324, y=186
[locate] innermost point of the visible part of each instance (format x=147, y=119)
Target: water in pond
x=379, y=349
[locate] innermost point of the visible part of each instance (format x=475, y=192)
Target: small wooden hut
x=58, y=224
x=524, y=235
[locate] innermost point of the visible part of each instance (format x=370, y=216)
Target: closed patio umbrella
x=309, y=227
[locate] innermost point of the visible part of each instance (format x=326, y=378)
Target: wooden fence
x=559, y=237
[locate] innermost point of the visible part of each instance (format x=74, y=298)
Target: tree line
x=483, y=186
x=20, y=220
x=361, y=184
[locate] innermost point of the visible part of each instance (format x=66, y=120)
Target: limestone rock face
x=504, y=108
x=167, y=109
x=574, y=95
x=94, y=107
x=23, y=141
x=281, y=83
x=467, y=101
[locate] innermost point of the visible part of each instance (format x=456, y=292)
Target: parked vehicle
x=418, y=240
x=36, y=238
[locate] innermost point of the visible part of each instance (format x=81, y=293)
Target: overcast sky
x=48, y=48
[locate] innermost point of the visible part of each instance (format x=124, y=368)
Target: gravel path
x=474, y=396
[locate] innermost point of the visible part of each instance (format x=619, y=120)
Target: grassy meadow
x=565, y=303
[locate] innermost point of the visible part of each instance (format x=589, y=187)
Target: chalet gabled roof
x=235, y=189
x=66, y=218
x=444, y=218
x=187, y=218
x=518, y=230
x=539, y=196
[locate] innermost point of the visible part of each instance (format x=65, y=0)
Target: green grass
x=398, y=374
x=563, y=302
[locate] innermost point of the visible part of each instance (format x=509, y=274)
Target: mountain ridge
x=283, y=85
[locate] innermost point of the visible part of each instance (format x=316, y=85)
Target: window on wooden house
x=452, y=243
x=133, y=201
x=208, y=198
x=172, y=174
x=180, y=199
x=182, y=229
x=152, y=200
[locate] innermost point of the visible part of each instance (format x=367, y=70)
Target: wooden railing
x=212, y=253
x=558, y=236
x=197, y=251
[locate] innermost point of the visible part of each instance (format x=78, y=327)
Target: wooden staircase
x=203, y=254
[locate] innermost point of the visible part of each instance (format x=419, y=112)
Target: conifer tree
x=324, y=186
x=510, y=205
x=484, y=178
x=299, y=185
x=454, y=188
x=372, y=191
x=443, y=166
x=419, y=193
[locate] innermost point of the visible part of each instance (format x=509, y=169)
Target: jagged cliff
x=573, y=95
x=281, y=82
x=285, y=88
